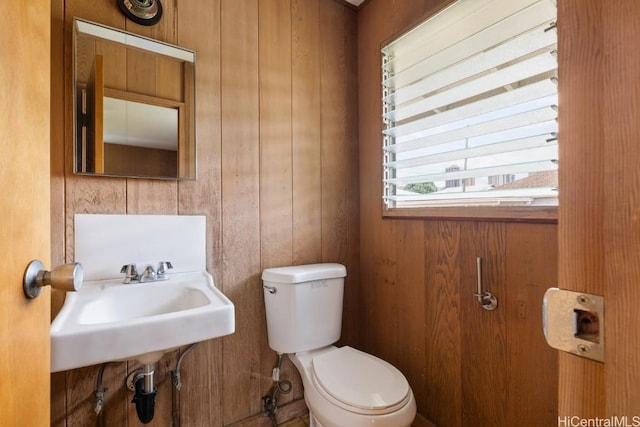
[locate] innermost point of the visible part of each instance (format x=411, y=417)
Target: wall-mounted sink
x=109, y=321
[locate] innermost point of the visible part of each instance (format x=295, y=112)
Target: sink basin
x=109, y=321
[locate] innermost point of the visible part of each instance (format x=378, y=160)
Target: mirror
x=134, y=110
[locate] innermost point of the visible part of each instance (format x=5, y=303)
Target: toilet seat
x=359, y=382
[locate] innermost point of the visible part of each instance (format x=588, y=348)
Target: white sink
x=109, y=321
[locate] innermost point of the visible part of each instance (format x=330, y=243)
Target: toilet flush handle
x=271, y=289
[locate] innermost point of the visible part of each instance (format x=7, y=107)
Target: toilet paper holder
x=487, y=300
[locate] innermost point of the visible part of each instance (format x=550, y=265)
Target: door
x=599, y=221
x=24, y=209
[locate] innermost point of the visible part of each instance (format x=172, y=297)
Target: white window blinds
x=470, y=107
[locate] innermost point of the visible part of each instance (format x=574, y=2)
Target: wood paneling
x=276, y=160
x=484, y=345
x=305, y=81
x=598, y=231
x=409, y=298
x=466, y=365
x=201, y=397
x=581, y=240
x=442, y=385
x=338, y=145
x=621, y=205
x=241, y=204
x=268, y=182
x=531, y=275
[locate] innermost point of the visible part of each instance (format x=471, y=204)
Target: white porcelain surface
x=104, y=243
x=360, y=382
x=303, y=306
x=328, y=414
x=107, y=320
x=304, y=273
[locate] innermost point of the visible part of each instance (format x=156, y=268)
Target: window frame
x=533, y=214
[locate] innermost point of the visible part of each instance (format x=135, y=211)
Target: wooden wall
x=467, y=366
x=276, y=127
x=599, y=228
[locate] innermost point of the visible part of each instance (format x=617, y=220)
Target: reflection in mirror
x=134, y=112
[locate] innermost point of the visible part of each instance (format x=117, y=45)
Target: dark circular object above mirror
x=143, y=12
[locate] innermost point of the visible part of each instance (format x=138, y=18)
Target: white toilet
x=343, y=387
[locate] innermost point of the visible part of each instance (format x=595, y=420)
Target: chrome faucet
x=148, y=274
x=131, y=274
x=163, y=270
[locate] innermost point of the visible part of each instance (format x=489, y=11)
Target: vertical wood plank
x=339, y=183
x=443, y=336
x=532, y=366
x=240, y=203
x=307, y=200
x=200, y=401
x=152, y=197
x=276, y=176
x=352, y=318
x=334, y=145
x=276, y=166
x=412, y=291
x=621, y=106
x=581, y=256
x=484, y=346
x=368, y=107
x=384, y=295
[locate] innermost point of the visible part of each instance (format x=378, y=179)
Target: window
x=470, y=107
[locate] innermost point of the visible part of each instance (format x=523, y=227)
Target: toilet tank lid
x=304, y=273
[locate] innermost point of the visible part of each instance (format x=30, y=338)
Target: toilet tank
x=303, y=306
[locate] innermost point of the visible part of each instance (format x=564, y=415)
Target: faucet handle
x=130, y=272
x=148, y=275
x=163, y=267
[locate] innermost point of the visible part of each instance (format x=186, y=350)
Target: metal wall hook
x=67, y=277
x=487, y=300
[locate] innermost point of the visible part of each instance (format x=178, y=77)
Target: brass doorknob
x=66, y=277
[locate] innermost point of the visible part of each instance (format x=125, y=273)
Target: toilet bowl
x=346, y=387
x=343, y=387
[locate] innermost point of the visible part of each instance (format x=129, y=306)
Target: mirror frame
x=186, y=164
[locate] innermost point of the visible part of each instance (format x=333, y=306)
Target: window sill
x=540, y=214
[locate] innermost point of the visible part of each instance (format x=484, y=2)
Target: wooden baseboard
x=287, y=412
x=298, y=408
x=421, y=421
